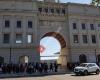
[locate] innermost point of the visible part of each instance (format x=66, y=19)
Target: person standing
x=51, y=67
x=45, y=67
x=56, y=67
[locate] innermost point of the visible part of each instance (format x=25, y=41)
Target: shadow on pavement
x=4, y=76
x=82, y=75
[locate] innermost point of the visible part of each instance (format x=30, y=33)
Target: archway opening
x=82, y=58
x=98, y=58
x=23, y=59
x=58, y=40
x=52, y=48
x=1, y=60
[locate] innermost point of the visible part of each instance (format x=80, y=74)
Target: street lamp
x=10, y=56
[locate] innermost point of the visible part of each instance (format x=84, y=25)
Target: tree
x=95, y=2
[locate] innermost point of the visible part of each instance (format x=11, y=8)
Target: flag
x=41, y=49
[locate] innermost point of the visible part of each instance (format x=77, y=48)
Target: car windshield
x=82, y=65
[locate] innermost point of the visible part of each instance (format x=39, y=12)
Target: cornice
x=82, y=14
x=68, y=4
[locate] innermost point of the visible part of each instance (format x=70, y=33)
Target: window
x=74, y=26
x=75, y=38
x=82, y=58
x=6, y=38
x=93, y=38
x=18, y=24
x=85, y=39
x=63, y=11
x=52, y=10
x=98, y=58
x=1, y=60
x=18, y=38
x=58, y=11
x=30, y=24
x=91, y=65
x=46, y=10
x=29, y=38
x=83, y=26
x=40, y=9
x=98, y=25
x=92, y=26
x=7, y=23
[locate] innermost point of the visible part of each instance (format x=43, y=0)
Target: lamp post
x=10, y=56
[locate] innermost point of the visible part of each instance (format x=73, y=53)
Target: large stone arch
x=64, y=51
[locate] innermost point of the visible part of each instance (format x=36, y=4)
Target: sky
x=51, y=44
x=74, y=1
x=77, y=1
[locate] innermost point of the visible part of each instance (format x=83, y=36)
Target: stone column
x=63, y=58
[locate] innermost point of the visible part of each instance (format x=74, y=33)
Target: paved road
x=58, y=77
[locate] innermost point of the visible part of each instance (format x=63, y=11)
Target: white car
x=86, y=68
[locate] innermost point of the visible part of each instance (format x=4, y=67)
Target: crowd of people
x=29, y=68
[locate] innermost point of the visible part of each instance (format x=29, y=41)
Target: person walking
x=51, y=67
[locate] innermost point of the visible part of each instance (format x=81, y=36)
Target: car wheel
x=85, y=72
x=97, y=71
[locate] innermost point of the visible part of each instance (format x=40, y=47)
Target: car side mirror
x=88, y=67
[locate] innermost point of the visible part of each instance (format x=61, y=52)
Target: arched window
x=98, y=58
x=24, y=59
x=1, y=60
x=82, y=58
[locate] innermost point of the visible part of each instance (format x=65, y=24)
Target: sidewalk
x=37, y=74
